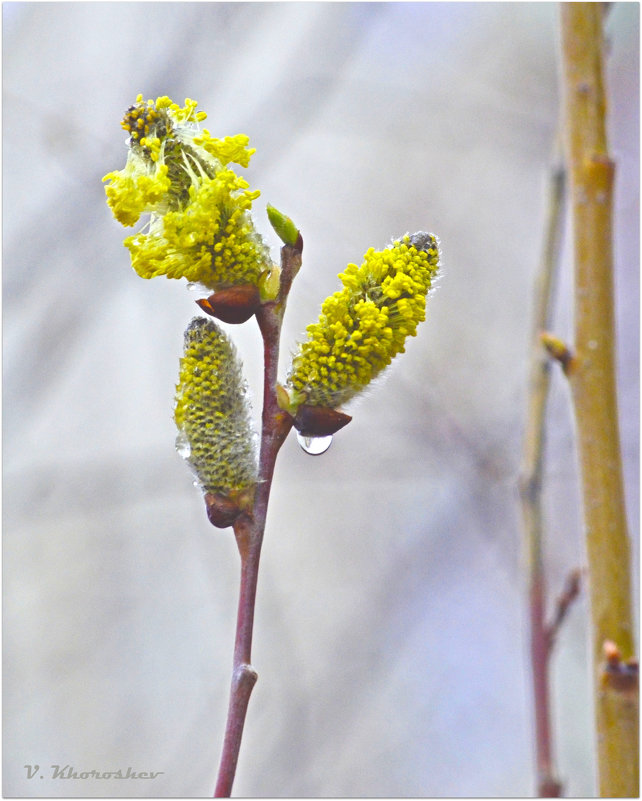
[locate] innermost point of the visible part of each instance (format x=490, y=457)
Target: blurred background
x=391, y=634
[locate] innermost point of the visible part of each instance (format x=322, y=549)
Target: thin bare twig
x=531, y=484
x=564, y=602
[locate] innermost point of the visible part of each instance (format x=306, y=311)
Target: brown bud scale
x=235, y=304
x=319, y=421
x=222, y=511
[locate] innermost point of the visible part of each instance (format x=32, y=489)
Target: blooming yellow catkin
x=364, y=325
x=200, y=226
x=212, y=411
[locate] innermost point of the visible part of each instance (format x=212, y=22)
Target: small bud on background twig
x=619, y=675
x=557, y=349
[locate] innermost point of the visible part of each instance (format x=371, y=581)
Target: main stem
x=250, y=527
x=593, y=387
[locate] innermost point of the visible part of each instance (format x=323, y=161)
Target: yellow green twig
x=592, y=382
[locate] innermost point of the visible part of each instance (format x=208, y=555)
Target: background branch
x=593, y=387
x=563, y=604
x=531, y=483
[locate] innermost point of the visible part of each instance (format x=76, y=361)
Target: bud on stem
x=286, y=230
x=236, y=304
x=319, y=421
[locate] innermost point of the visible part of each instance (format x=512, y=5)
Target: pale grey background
x=390, y=636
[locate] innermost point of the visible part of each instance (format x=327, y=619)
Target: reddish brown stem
x=547, y=785
x=569, y=594
x=249, y=527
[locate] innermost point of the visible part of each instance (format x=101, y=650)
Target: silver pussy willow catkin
x=212, y=411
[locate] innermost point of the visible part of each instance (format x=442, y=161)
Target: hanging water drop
x=314, y=445
x=182, y=446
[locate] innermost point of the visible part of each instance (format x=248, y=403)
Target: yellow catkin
x=200, y=227
x=364, y=325
x=212, y=411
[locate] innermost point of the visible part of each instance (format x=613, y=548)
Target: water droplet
x=314, y=445
x=182, y=446
x=593, y=344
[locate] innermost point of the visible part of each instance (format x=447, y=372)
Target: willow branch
x=593, y=388
x=563, y=604
x=250, y=527
x=531, y=486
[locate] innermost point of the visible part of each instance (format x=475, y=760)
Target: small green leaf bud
x=270, y=283
x=289, y=399
x=284, y=227
x=283, y=398
x=212, y=413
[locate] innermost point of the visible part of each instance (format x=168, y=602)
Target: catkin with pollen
x=212, y=411
x=364, y=325
x=200, y=226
